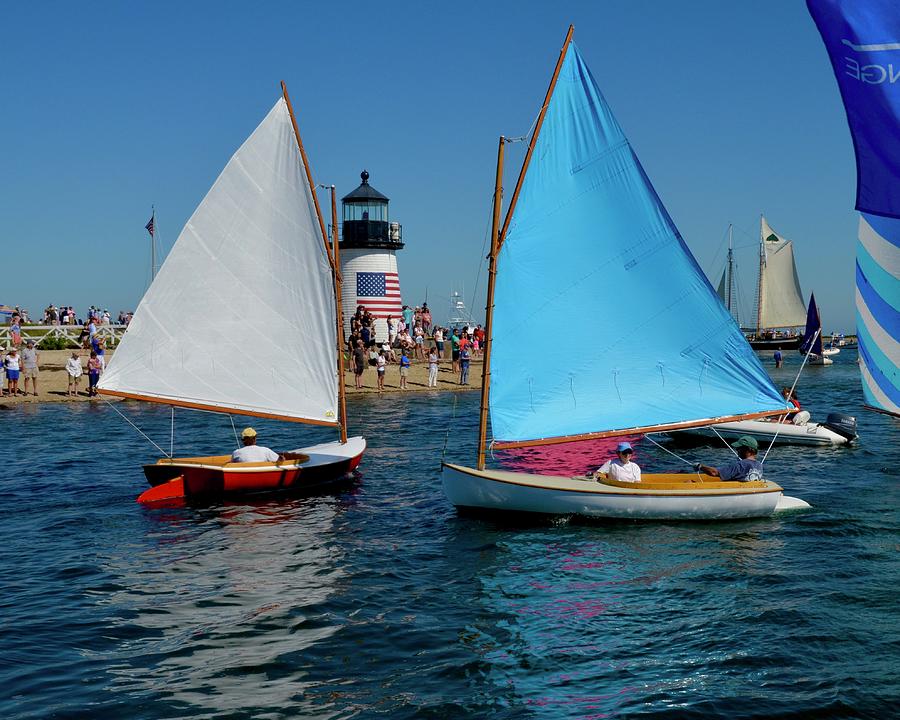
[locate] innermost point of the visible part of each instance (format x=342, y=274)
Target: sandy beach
x=53, y=380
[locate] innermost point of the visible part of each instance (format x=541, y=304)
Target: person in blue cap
x=744, y=469
x=620, y=468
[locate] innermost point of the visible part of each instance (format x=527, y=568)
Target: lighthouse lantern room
x=369, y=242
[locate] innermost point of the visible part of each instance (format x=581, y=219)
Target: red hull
x=205, y=478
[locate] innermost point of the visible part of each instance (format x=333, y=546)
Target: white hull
x=545, y=494
x=819, y=360
x=831, y=351
x=763, y=432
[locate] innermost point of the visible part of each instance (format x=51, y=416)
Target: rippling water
x=379, y=601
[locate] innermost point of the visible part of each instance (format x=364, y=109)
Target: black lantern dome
x=365, y=219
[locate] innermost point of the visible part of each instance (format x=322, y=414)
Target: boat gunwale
x=597, y=488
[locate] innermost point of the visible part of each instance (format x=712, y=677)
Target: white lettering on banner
x=872, y=74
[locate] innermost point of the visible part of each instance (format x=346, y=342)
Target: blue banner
x=863, y=42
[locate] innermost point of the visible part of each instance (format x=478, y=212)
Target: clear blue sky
x=108, y=108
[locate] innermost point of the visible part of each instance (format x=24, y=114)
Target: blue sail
x=878, y=310
x=812, y=337
x=863, y=42
x=603, y=320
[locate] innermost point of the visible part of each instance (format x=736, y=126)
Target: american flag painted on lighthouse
x=379, y=292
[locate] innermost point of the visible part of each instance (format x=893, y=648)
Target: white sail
x=241, y=317
x=781, y=300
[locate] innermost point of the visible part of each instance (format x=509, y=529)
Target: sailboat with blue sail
x=586, y=230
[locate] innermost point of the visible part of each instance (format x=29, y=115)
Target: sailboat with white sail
x=779, y=299
x=241, y=319
x=585, y=229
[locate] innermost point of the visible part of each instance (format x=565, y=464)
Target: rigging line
x=675, y=455
x=172, y=435
x=487, y=230
x=449, y=428
x=237, y=443
x=572, y=389
x=523, y=138
x=146, y=436
x=725, y=441
x=791, y=393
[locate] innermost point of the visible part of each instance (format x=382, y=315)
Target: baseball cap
x=745, y=441
x=623, y=446
x=248, y=432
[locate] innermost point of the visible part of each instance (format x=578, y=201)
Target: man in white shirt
x=621, y=468
x=251, y=452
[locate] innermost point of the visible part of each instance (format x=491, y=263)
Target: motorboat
x=838, y=429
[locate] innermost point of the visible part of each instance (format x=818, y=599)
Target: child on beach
x=93, y=373
x=404, y=370
x=74, y=371
x=381, y=365
x=432, y=367
x=11, y=364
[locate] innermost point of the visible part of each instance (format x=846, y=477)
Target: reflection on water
x=379, y=601
x=205, y=585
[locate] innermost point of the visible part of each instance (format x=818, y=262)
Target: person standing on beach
x=359, y=363
x=93, y=373
x=439, y=342
x=404, y=369
x=454, y=350
x=419, y=334
x=426, y=318
x=30, y=359
x=74, y=371
x=779, y=358
x=15, y=331
x=380, y=367
x=432, y=367
x=408, y=316
x=11, y=365
x=464, y=357
x=392, y=330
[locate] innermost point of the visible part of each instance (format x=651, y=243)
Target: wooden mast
x=342, y=397
x=312, y=187
x=497, y=241
x=489, y=307
x=534, y=137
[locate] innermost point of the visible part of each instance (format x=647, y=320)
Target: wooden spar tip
x=309, y=180
x=534, y=137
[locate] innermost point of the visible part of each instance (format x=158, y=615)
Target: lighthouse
x=369, y=245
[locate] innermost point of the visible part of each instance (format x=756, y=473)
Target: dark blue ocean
x=380, y=601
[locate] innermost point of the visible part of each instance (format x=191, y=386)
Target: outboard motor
x=844, y=425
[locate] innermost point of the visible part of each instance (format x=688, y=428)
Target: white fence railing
x=111, y=333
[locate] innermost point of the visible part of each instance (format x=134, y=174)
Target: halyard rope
x=146, y=436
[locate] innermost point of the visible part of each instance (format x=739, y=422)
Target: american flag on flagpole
x=149, y=225
x=379, y=292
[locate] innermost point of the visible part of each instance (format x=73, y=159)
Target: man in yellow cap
x=251, y=452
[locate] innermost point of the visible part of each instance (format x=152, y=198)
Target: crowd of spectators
x=412, y=337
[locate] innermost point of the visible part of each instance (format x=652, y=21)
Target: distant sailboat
x=779, y=299
x=585, y=230
x=242, y=319
x=726, y=288
x=812, y=338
